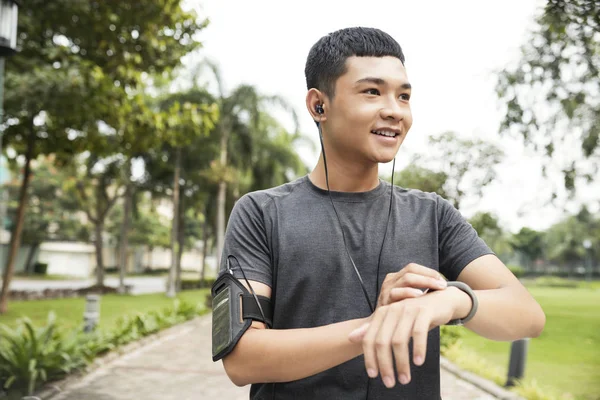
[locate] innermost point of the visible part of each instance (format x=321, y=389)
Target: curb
x=51, y=390
x=483, y=384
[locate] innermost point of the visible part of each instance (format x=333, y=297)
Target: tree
x=239, y=116
x=489, y=230
x=468, y=164
x=51, y=215
x=529, y=243
x=564, y=240
x=426, y=180
x=84, y=57
x=552, y=95
x=187, y=119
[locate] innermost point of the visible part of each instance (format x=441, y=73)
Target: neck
x=345, y=176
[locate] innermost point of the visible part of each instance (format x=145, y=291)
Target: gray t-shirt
x=289, y=238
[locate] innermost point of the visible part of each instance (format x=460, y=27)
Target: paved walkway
x=179, y=367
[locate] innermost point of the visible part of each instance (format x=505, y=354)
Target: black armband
x=234, y=308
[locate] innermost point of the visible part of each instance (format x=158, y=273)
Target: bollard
x=91, y=315
x=518, y=358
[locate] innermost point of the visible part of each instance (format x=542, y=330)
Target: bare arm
x=271, y=355
x=506, y=312
x=506, y=309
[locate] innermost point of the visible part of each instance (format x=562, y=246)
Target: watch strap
x=475, y=303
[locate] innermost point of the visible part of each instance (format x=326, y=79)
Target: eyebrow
x=382, y=82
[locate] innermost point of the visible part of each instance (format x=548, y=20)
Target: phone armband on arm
x=234, y=308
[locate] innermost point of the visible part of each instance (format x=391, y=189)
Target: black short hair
x=326, y=61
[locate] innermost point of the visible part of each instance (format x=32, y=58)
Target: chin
x=385, y=158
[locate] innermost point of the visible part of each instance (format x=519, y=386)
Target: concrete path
x=179, y=367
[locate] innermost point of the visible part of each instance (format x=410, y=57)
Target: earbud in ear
x=319, y=109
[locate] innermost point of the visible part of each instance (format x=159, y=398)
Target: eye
x=405, y=97
x=372, y=91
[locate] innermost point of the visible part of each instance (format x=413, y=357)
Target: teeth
x=385, y=133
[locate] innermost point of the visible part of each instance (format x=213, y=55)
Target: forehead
x=387, y=68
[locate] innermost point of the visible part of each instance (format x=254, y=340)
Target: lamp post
x=9, y=12
x=587, y=245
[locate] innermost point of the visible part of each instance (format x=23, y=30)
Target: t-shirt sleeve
x=246, y=240
x=458, y=241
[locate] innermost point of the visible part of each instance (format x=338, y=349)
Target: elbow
x=233, y=372
x=538, y=322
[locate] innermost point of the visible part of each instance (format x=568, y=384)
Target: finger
x=383, y=345
x=419, y=334
x=388, y=283
x=421, y=270
x=400, y=341
x=369, y=342
x=357, y=335
x=420, y=281
x=397, y=294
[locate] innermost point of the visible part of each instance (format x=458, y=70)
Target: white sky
x=452, y=49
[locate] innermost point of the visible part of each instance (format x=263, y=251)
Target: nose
x=393, y=110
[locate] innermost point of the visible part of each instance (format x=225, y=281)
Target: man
x=329, y=247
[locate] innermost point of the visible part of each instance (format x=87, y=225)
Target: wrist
x=461, y=302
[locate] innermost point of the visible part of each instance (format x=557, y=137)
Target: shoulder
x=259, y=200
x=425, y=203
x=418, y=197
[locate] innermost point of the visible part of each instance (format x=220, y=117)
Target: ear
x=315, y=97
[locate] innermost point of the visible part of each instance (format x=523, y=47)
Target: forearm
x=505, y=314
x=272, y=355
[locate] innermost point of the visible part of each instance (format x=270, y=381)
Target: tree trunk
x=32, y=251
x=125, y=230
x=99, y=228
x=15, y=239
x=180, y=240
x=174, y=227
x=221, y=197
x=204, y=244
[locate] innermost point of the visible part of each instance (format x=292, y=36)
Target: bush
x=40, y=268
x=555, y=281
x=449, y=335
x=31, y=356
x=155, y=271
x=189, y=284
x=517, y=270
x=207, y=283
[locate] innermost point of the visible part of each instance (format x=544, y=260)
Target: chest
x=315, y=254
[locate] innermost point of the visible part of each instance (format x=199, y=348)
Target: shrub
x=155, y=271
x=555, y=281
x=111, y=270
x=30, y=356
x=40, y=268
x=189, y=284
x=517, y=270
x=449, y=335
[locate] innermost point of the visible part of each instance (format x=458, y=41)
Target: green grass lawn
x=69, y=312
x=566, y=357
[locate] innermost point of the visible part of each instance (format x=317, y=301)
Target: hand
x=408, y=282
x=391, y=327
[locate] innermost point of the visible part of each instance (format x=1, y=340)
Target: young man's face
x=372, y=96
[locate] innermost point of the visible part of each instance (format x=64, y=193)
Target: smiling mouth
x=385, y=133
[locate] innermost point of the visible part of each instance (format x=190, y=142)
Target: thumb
x=357, y=335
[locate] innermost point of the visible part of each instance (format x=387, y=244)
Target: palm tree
x=240, y=113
